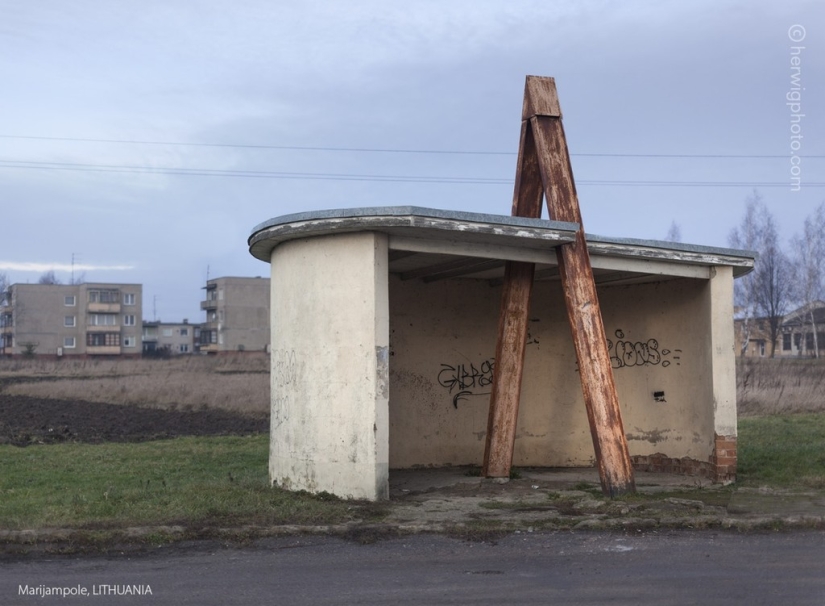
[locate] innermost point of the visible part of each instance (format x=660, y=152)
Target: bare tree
x=773, y=278
x=809, y=267
x=674, y=234
x=48, y=278
x=747, y=237
x=4, y=287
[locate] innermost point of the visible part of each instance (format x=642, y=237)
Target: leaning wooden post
x=541, y=108
x=512, y=323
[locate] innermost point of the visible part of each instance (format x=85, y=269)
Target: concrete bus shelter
x=384, y=326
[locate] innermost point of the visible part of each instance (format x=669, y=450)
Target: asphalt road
x=559, y=568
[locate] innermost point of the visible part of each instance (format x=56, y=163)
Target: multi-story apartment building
x=71, y=319
x=161, y=338
x=237, y=315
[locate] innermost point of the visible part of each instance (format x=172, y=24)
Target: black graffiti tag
x=465, y=378
x=625, y=354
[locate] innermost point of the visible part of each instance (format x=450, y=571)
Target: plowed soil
x=25, y=421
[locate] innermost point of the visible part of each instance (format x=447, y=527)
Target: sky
x=142, y=141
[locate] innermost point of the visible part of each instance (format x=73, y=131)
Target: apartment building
x=237, y=315
x=71, y=319
x=172, y=338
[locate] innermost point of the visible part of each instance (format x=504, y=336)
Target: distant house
x=796, y=334
x=170, y=338
x=237, y=315
x=91, y=319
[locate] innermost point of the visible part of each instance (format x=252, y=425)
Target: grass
x=234, y=383
x=784, y=451
x=189, y=481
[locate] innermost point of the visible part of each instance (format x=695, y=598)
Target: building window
x=786, y=342
x=129, y=341
x=102, y=320
x=69, y=321
x=184, y=332
x=103, y=339
x=69, y=301
x=69, y=342
x=129, y=298
x=761, y=348
x=809, y=341
x=167, y=332
x=129, y=320
x=183, y=348
x=104, y=296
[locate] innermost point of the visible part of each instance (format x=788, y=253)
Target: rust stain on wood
x=512, y=323
x=543, y=147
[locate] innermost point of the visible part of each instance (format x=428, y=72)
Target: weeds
x=233, y=383
x=780, y=385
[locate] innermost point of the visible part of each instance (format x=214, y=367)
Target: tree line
x=783, y=277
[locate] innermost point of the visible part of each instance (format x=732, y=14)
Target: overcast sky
x=172, y=91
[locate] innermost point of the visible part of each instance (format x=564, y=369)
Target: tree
x=4, y=288
x=747, y=237
x=809, y=267
x=773, y=280
x=48, y=278
x=767, y=290
x=674, y=234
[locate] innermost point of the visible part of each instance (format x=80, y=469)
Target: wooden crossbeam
x=543, y=150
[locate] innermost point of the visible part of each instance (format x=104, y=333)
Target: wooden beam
x=583, y=310
x=512, y=323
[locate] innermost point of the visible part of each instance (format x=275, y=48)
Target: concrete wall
x=329, y=316
x=442, y=340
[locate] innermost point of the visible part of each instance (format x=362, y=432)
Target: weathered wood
x=584, y=312
x=512, y=323
x=543, y=148
x=540, y=98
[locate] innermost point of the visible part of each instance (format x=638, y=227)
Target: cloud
x=41, y=267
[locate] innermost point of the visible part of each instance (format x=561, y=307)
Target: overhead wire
x=387, y=150
x=210, y=172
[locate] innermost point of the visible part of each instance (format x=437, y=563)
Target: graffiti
x=284, y=378
x=466, y=378
x=626, y=354
x=283, y=367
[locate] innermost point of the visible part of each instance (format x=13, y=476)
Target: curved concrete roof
x=427, y=230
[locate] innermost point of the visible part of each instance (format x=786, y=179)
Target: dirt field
x=25, y=421
x=135, y=400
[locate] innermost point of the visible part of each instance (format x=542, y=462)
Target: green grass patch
x=190, y=481
x=784, y=451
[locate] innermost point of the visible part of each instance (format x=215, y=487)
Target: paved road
x=560, y=568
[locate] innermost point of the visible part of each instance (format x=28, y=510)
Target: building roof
x=435, y=244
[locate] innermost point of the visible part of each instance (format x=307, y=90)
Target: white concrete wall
x=329, y=318
x=442, y=341
x=722, y=350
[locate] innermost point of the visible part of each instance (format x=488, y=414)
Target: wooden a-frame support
x=544, y=169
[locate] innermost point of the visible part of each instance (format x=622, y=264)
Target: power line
x=149, y=170
x=393, y=150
